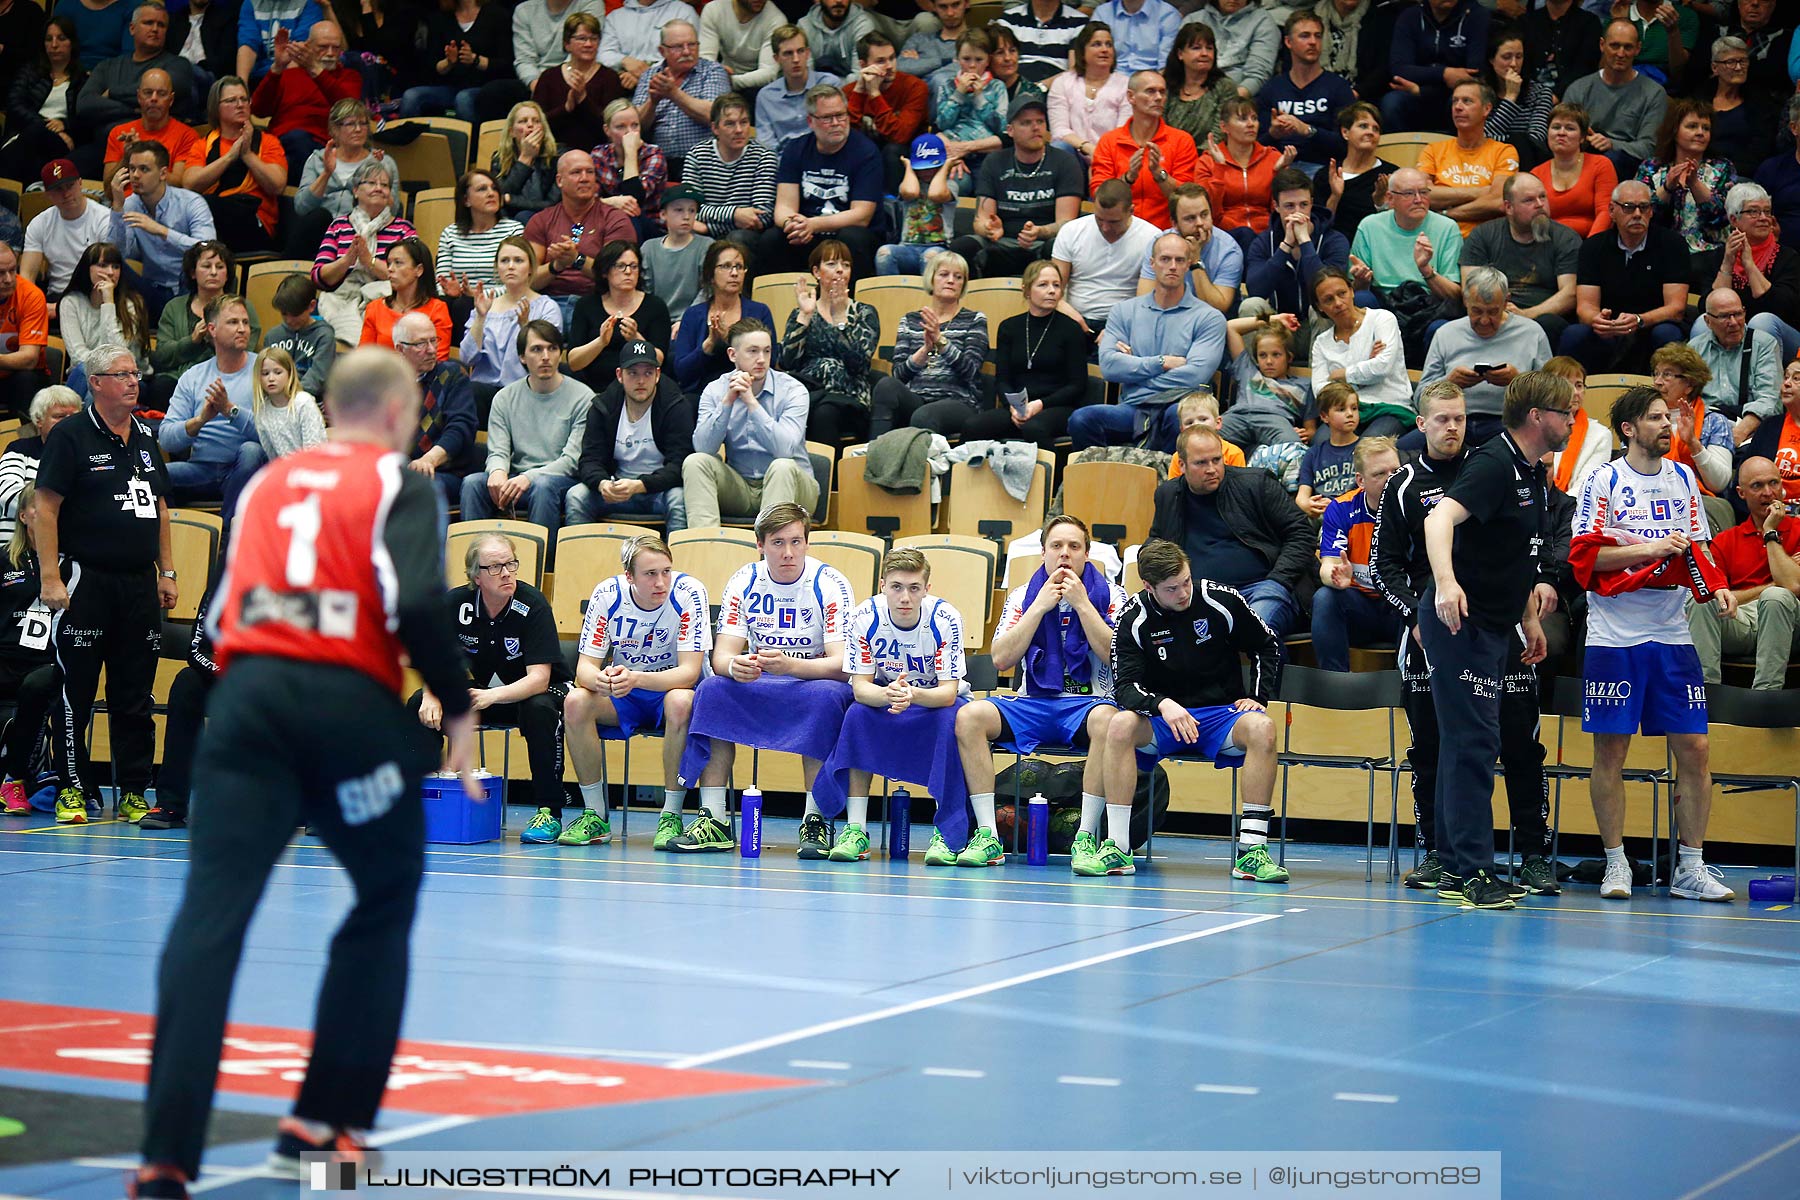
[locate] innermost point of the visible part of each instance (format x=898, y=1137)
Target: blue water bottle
x=899, y=824
x=1037, y=831
x=750, y=836
x=1778, y=889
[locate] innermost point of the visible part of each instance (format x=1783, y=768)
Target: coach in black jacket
x=1240, y=528
x=601, y=486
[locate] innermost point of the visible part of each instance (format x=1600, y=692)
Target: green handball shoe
x=1084, y=856
x=71, y=807
x=589, y=829
x=852, y=845
x=707, y=835
x=1255, y=864
x=1116, y=860
x=983, y=850
x=939, y=854
x=668, y=828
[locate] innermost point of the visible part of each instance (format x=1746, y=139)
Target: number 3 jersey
x=1616, y=497
x=646, y=639
x=799, y=618
x=929, y=653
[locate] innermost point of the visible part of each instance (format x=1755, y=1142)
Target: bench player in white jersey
x=778, y=675
x=1058, y=629
x=643, y=650
x=908, y=676
x=1641, y=671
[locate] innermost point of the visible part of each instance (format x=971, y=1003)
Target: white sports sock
x=1615, y=854
x=858, y=811
x=983, y=804
x=712, y=799
x=594, y=796
x=1690, y=859
x=1091, y=808
x=812, y=806
x=1118, y=825
x=674, y=800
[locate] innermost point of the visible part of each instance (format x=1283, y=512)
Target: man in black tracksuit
x=1180, y=690
x=1401, y=573
x=1483, y=540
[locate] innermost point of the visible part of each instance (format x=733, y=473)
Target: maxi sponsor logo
x=426, y=1077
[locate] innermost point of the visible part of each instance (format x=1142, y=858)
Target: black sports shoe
x=815, y=837
x=1482, y=890
x=1539, y=876
x=163, y=818
x=1450, y=887
x=1428, y=874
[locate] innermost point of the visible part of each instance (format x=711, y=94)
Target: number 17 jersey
x=646, y=639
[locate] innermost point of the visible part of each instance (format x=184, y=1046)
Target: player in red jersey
x=335, y=571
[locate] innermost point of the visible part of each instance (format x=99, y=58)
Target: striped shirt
x=340, y=234
x=472, y=254
x=747, y=183
x=1043, y=45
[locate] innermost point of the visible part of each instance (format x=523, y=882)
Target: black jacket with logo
x=1191, y=657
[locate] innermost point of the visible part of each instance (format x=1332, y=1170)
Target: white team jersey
x=799, y=619
x=926, y=655
x=1617, y=496
x=1102, y=678
x=646, y=639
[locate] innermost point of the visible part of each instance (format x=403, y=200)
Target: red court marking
x=261, y=1060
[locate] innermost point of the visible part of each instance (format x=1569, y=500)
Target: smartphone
x=1483, y=368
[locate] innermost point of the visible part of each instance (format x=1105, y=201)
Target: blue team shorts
x=1216, y=723
x=639, y=709
x=1650, y=688
x=1032, y=721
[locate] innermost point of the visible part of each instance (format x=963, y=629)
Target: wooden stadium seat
x=776, y=291
x=56, y=359
x=531, y=540
x=1603, y=390
x=426, y=161
x=998, y=303
x=195, y=540
x=260, y=283
x=31, y=204
x=893, y=296
x=981, y=14
x=1132, y=582
x=433, y=209
x=1116, y=499
x=1403, y=149
x=962, y=572
x=585, y=554
x=859, y=502
x=487, y=142
x=980, y=507
x=457, y=132
x=857, y=556
x=713, y=555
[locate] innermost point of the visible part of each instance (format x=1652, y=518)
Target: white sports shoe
x=1701, y=883
x=1617, y=883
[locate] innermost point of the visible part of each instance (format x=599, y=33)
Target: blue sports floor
x=1648, y=1049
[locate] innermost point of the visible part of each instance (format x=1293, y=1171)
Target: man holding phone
x=1500, y=345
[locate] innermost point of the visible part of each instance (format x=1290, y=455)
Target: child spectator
x=929, y=213
x=287, y=419
x=310, y=342
x=1200, y=408
x=1329, y=468
x=1273, y=404
x=672, y=262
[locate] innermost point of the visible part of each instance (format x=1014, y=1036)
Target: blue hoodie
x=1282, y=281
x=1424, y=46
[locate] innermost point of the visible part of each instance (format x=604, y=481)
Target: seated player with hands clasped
x=1180, y=690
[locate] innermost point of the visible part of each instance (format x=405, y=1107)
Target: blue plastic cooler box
x=452, y=818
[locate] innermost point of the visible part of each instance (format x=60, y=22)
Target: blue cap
x=927, y=152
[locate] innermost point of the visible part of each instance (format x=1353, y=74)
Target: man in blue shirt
x=1217, y=265
x=157, y=223
x=827, y=186
x=759, y=416
x=781, y=104
x=211, y=416
x=1159, y=346
x=1143, y=31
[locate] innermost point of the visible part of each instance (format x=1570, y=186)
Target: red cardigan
x=292, y=99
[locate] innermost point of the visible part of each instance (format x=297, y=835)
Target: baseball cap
x=637, y=352
x=683, y=191
x=59, y=171
x=927, y=152
x=1023, y=104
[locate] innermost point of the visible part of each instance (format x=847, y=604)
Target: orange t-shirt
x=1449, y=165
x=1234, y=457
x=379, y=321
x=24, y=321
x=267, y=148
x=182, y=143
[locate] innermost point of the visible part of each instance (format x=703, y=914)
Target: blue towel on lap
x=799, y=716
x=917, y=746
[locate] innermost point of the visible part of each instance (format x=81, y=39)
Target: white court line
x=1088, y=1081
x=387, y=1137
x=1227, y=1089
x=572, y=1051
x=1365, y=1097
x=59, y=1025
x=912, y=1006
x=818, y=1064
x=954, y=1073
x=1754, y=1163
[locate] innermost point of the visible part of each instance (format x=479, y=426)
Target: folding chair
x=1566, y=696
x=1341, y=692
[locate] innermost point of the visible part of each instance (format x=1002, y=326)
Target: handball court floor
x=651, y=1002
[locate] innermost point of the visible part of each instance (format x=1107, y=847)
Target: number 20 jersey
x=646, y=639
x=797, y=618
x=1617, y=496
